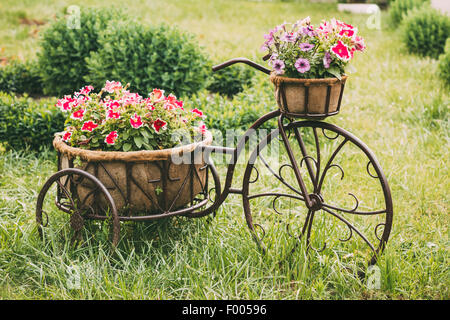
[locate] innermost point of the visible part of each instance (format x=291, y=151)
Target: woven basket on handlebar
x=308, y=97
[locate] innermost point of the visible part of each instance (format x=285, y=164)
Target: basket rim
x=276, y=79
x=128, y=156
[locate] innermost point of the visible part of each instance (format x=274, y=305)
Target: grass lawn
x=394, y=102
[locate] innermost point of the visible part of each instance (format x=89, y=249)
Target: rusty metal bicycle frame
x=235, y=152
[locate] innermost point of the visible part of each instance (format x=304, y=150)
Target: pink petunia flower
x=84, y=91
x=114, y=104
x=341, y=51
x=112, y=86
x=197, y=112
x=136, y=121
x=89, y=126
x=65, y=104
x=344, y=25
x=157, y=95
x=67, y=136
x=169, y=106
x=359, y=44
x=78, y=115
x=202, y=127
x=171, y=98
x=111, y=138
x=130, y=98
x=159, y=124
x=179, y=104
x=347, y=33
x=112, y=114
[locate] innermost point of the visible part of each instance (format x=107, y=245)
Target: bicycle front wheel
x=352, y=206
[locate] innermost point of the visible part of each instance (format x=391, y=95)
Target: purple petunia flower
x=305, y=46
x=278, y=66
x=302, y=65
x=289, y=37
x=308, y=31
x=327, y=60
x=273, y=57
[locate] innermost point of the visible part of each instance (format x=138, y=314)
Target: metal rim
x=68, y=191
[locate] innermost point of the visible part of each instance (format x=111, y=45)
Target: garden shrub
x=21, y=77
x=27, y=123
x=425, y=31
x=231, y=80
x=148, y=57
x=444, y=64
x=238, y=113
x=64, y=50
x=399, y=9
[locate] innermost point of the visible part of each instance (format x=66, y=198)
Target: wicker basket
x=140, y=181
x=308, y=98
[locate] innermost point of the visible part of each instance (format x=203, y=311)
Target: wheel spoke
x=353, y=211
x=278, y=176
x=351, y=227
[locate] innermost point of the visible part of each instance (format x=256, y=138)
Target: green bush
x=238, y=113
x=26, y=123
x=148, y=57
x=444, y=64
x=21, y=77
x=231, y=80
x=64, y=50
x=425, y=31
x=399, y=9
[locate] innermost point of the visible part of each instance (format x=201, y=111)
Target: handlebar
x=241, y=60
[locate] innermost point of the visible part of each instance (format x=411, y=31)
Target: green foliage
x=400, y=8
x=21, y=77
x=26, y=123
x=444, y=64
x=238, y=113
x=425, y=31
x=130, y=123
x=231, y=80
x=148, y=57
x=64, y=50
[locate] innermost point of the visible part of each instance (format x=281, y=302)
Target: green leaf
x=126, y=147
x=145, y=134
x=138, y=141
x=335, y=72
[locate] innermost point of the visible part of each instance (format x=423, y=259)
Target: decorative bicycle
x=307, y=188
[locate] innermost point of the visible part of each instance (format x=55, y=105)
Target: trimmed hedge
x=231, y=80
x=64, y=50
x=238, y=113
x=444, y=64
x=425, y=31
x=21, y=77
x=400, y=8
x=25, y=123
x=148, y=57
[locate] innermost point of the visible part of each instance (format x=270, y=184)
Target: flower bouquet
x=135, y=146
x=309, y=64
